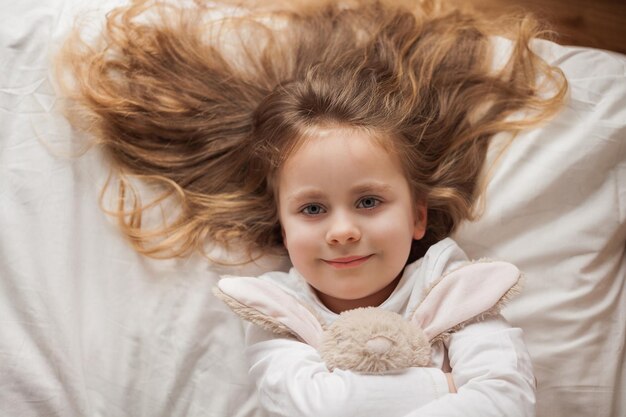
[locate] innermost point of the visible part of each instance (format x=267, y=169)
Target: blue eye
x=313, y=210
x=368, y=202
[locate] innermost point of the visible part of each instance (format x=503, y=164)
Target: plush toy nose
x=378, y=345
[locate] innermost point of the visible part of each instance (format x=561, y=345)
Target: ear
x=269, y=306
x=421, y=217
x=477, y=289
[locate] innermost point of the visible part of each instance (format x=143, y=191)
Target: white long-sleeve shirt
x=490, y=364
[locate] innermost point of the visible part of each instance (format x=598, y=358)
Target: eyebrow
x=305, y=195
x=363, y=188
x=371, y=187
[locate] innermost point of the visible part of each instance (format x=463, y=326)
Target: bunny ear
x=269, y=306
x=474, y=290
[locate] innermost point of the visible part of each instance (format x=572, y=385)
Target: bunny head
x=373, y=339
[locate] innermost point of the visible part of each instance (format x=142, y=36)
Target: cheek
x=395, y=235
x=394, y=227
x=298, y=240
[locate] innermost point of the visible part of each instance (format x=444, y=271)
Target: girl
x=350, y=134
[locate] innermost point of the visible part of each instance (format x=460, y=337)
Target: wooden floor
x=595, y=23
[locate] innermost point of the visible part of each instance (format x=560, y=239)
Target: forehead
x=332, y=135
x=336, y=158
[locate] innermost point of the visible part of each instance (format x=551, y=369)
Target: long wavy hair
x=208, y=102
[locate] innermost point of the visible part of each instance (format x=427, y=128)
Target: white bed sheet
x=90, y=328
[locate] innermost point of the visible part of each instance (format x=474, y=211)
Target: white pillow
x=556, y=207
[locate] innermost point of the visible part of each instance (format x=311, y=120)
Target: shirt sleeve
x=292, y=380
x=492, y=371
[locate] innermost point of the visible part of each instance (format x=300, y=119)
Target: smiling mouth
x=348, y=262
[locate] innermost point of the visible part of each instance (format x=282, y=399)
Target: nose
x=342, y=230
x=378, y=345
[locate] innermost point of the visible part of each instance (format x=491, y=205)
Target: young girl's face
x=348, y=217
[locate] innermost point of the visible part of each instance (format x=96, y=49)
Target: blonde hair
x=211, y=108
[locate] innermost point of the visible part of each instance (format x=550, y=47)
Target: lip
x=347, y=262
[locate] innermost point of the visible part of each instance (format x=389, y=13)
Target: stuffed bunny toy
x=374, y=340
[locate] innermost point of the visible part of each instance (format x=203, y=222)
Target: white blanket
x=90, y=328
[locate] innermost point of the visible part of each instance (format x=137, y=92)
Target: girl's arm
x=492, y=371
x=292, y=380
x=490, y=367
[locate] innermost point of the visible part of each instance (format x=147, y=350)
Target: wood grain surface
x=596, y=23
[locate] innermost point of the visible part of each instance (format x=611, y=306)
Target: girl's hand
x=451, y=386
